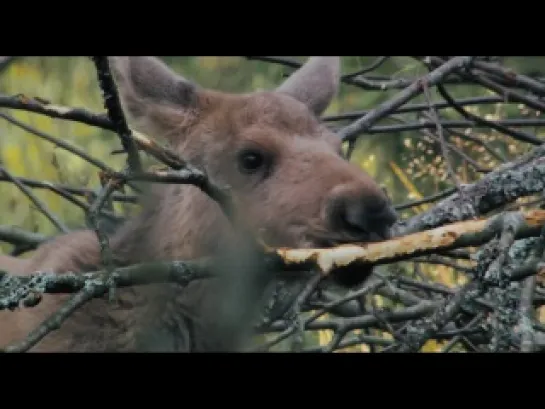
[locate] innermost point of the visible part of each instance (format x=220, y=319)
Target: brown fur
x=306, y=195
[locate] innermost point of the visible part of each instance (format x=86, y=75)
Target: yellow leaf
x=324, y=336
x=431, y=346
x=13, y=159
x=541, y=313
x=445, y=275
x=209, y=63
x=407, y=183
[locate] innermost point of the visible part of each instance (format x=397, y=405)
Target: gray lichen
x=491, y=192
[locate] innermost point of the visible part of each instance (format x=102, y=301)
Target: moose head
x=285, y=168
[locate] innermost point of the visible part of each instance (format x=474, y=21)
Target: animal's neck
x=203, y=316
x=184, y=224
x=177, y=223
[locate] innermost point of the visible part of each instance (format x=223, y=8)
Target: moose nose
x=369, y=217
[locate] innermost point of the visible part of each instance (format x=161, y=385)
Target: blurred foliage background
x=409, y=164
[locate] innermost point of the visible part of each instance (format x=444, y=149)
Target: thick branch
x=462, y=234
x=14, y=289
x=502, y=186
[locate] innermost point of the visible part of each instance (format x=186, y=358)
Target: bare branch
x=39, y=106
x=15, y=289
x=17, y=236
x=115, y=112
x=377, y=63
x=57, y=142
x=42, y=207
x=363, y=124
x=462, y=234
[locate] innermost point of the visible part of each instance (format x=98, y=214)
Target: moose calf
x=285, y=169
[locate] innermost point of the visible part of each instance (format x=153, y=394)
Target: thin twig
x=62, y=190
x=18, y=236
x=39, y=106
x=55, y=320
x=42, y=207
x=518, y=135
x=373, y=66
x=364, y=123
x=58, y=142
x=444, y=150
x=426, y=200
x=405, y=108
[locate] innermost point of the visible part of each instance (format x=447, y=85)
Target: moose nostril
x=387, y=215
x=369, y=217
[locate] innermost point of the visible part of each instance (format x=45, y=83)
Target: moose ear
x=315, y=84
x=152, y=95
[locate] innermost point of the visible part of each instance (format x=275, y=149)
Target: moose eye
x=251, y=161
